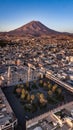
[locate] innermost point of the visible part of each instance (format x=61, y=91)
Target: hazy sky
x=56, y=14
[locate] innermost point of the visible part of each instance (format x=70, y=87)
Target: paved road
x=15, y=105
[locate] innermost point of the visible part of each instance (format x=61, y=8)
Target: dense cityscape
x=36, y=65
x=36, y=73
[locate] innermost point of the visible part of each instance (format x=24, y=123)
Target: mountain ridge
x=34, y=28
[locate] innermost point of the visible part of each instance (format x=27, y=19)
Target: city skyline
x=55, y=14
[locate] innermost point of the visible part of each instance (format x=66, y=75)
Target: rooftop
x=6, y=114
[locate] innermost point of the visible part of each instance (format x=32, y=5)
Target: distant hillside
x=34, y=28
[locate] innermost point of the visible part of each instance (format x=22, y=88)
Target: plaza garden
x=39, y=95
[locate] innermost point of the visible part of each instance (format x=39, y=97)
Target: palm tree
x=23, y=94
x=44, y=84
x=49, y=86
x=41, y=81
x=18, y=90
x=50, y=93
x=59, y=91
x=54, y=88
x=28, y=97
x=32, y=97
